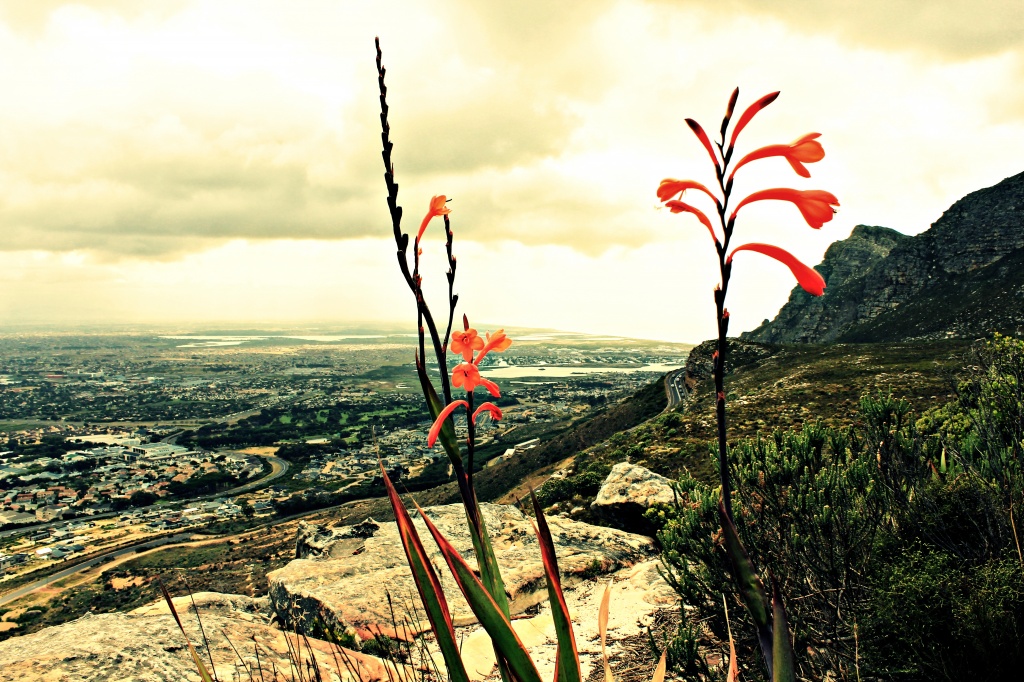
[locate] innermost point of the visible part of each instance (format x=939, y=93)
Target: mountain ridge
x=936, y=273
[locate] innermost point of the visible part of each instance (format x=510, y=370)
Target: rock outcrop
x=342, y=585
x=350, y=582
x=146, y=646
x=628, y=492
x=874, y=274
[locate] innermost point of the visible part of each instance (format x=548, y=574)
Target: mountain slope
x=945, y=282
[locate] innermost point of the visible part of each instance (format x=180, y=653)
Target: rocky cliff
x=959, y=278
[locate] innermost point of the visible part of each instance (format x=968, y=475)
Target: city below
x=114, y=440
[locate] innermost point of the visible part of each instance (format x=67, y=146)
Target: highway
x=92, y=563
x=675, y=387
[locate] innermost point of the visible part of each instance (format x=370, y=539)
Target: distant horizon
x=279, y=328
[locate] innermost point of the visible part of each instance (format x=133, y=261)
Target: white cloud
x=196, y=142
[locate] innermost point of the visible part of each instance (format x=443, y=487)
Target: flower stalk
x=816, y=207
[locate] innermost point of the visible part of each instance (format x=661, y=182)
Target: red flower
x=435, y=428
x=806, y=276
x=490, y=408
x=749, y=114
x=677, y=206
x=497, y=343
x=437, y=207
x=815, y=205
x=466, y=375
x=805, y=150
x=466, y=342
x=671, y=188
x=703, y=137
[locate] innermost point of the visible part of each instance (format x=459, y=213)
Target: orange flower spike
x=435, y=428
x=749, y=114
x=466, y=342
x=437, y=207
x=815, y=205
x=807, y=277
x=804, y=150
x=498, y=343
x=677, y=206
x=671, y=188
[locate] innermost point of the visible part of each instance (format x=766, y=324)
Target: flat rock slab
x=336, y=592
x=637, y=594
x=146, y=646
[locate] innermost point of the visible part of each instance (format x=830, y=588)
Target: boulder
x=628, y=492
x=358, y=585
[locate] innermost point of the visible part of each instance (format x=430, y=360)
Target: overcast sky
x=219, y=162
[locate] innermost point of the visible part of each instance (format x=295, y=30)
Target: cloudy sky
x=218, y=161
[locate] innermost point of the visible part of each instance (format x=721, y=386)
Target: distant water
x=224, y=340
x=550, y=371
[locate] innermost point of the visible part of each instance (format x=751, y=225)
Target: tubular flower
x=703, y=137
x=490, y=408
x=497, y=343
x=750, y=112
x=677, y=206
x=807, y=277
x=437, y=207
x=671, y=188
x=467, y=376
x=466, y=342
x=804, y=150
x=815, y=205
x=435, y=428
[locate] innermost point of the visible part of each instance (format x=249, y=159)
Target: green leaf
x=449, y=441
x=428, y=585
x=491, y=617
x=751, y=588
x=568, y=656
x=782, y=646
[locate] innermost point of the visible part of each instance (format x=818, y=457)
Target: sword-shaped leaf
x=782, y=647
x=602, y=627
x=494, y=621
x=659, y=672
x=734, y=668
x=204, y=674
x=750, y=585
x=428, y=585
x=568, y=656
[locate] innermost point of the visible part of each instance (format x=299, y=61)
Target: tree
x=142, y=498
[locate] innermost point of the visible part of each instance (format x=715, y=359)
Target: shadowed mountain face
x=961, y=278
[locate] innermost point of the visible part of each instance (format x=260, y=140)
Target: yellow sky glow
x=218, y=162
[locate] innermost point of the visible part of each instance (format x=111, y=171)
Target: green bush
x=586, y=484
x=893, y=541
x=933, y=617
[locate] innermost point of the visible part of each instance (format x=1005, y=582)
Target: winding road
x=675, y=387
